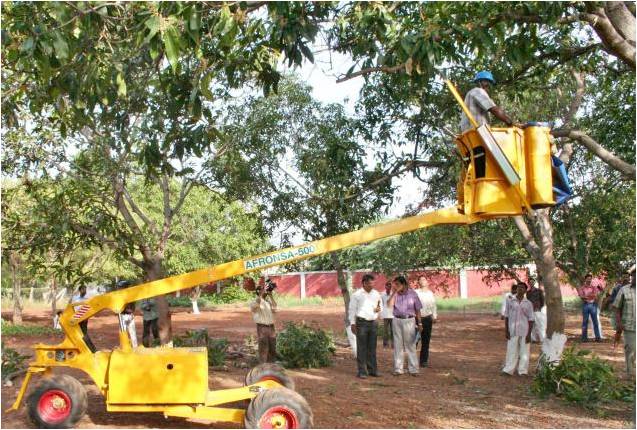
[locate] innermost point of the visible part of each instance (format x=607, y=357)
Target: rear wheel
x=269, y=372
x=59, y=402
x=278, y=408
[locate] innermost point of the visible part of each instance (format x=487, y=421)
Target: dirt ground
x=463, y=388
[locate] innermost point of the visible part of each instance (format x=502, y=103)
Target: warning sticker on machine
x=278, y=257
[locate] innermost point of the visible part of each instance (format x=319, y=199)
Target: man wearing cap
x=480, y=104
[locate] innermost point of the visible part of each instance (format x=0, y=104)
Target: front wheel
x=278, y=408
x=59, y=402
x=269, y=372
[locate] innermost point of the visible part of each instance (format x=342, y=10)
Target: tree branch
x=529, y=242
x=577, y=98
x=612, y=40
x=147, y=221
x=168, y=214
x=386, y=69
x=626, y=169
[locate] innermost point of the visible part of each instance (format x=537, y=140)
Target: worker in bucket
x=480, y=104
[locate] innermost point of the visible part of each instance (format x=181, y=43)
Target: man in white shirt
x=263, y=309
x=81, y=296
x=364, y=308
x=387, y=315
x=428, y=316
x=506, y=297
x=518, y=324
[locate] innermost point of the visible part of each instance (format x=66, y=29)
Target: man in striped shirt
x=518, y=324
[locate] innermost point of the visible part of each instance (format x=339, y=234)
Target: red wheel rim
x=54, y=406
x=279, y=417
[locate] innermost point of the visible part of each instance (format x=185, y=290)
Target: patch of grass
x=10, y=329
x=490, y=304
x=477, y=304
x=288, y=301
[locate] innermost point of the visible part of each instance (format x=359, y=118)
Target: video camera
x=269, y=285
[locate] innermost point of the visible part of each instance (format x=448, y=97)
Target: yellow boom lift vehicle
x=506, y=172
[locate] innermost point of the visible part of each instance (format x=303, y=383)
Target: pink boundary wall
x=444, y=283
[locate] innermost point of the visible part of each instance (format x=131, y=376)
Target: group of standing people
x=408, y=316
x=620, y=301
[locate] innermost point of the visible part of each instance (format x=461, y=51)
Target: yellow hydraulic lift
x=506, y=172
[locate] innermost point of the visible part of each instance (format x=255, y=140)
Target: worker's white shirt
x=479, y=103
x=262, y=312
x=387, y=311
x=505, y=298
x=519, y=314
x=362, y=305
x=428, y=301
x=77, y=298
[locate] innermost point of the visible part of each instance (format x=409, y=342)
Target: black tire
x=279, y=408
x=58, y=402
x=269, y=371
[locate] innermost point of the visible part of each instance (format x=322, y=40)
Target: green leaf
x=204, y=86
x=27, y=45
x=307, y=52
x=195, y=21
x=171, y=45
x=61, y=47
x=121, y=85
x=153, y=25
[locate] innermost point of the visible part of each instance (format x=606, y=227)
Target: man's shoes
x=598, y=340
x=424, y=365
x=414, y=374
x=584, y=340
x=396, y=373
x=362, y=376
x=375, y=375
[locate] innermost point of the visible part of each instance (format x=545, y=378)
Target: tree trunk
x=342, y=284
x=548, y=270
x=54, y=298
x=14, y=262
x=539, y=245
x=152, y=272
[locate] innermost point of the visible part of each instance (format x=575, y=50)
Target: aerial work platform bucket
x=506, y=171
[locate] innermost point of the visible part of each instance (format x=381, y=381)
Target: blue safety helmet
x=484, y=75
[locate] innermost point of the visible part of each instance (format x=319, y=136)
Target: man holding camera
x=263, y=309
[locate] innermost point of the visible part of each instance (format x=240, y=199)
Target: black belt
x=363, y=319
x=266, y=325
x=404, y=318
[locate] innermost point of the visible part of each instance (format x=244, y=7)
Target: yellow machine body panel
x=485, y=191
x=537, y=142
x=158, y=376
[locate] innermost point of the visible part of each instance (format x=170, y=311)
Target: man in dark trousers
x=536, y=296
x=588, y=292
x=151, y=321
x=364, y=308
